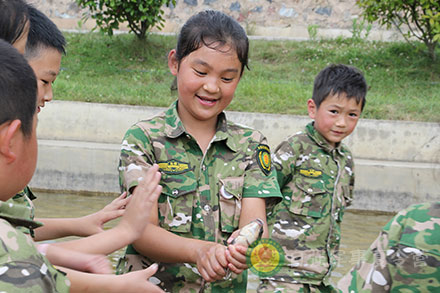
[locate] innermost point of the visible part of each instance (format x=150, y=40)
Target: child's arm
x=164, y=246
x=132, y=282
x=132, y=224
x=84, y=262
x=84, y=226
x=251, y=209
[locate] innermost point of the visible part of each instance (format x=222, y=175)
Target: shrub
x=421, y=17
x=141, y=15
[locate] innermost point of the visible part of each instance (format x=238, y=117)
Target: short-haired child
x=316, y=176
x=23, y=268
x=214, y=180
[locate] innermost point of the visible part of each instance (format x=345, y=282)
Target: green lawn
x=404, y=82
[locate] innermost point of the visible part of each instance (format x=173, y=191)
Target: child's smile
x=206, y=82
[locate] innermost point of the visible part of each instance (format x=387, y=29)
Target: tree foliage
x=141, y=15
x=420, y=17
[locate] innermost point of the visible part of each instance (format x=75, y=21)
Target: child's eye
x=353, y=115
x=44, y=81
x=199, y=72
x=227, y=79
x=334, y=111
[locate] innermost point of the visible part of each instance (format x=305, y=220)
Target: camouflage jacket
x=316, y=181
x=25, y=198
x=404, y=258
x=201, y=197
x=22, y=267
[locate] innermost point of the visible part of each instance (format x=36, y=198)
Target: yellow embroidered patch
x=263, y=158
x=310, y=173
x=174, y=167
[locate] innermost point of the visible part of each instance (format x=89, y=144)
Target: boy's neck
x=202, y=131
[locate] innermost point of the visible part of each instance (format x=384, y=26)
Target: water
x=359, y=228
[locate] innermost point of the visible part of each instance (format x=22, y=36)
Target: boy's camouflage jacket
x=316, y=181
x=22, y=267
x=202, y=193
x=404, y=258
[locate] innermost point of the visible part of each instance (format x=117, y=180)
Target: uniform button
x=175, y=192
x=207, y=208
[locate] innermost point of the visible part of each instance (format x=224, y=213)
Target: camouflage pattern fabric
x=404, y=258
x=317, y=182
x=22, y=267
x=25, y=198
x=269, y=286
x=201, y=197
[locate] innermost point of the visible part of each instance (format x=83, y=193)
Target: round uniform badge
x=263, y=158
x=265, y=258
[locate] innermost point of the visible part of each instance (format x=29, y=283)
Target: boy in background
x=23, y=268
x=316, y=177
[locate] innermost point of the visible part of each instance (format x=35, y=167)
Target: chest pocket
x=310, y=196
x=176, y=201
x=230, y=194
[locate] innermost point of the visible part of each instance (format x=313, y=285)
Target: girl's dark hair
x=18, y=88
x=13, y=18
x=212, y=29
x=336, y=79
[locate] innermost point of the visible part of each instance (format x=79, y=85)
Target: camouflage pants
x=269, y=286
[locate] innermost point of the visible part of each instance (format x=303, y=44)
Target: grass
x=404, y=82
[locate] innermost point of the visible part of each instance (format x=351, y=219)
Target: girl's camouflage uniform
x=316, y=181
x=404, y=258
x=22, y=267
x=201, y=197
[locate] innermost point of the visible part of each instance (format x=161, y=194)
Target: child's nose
x=49, y=95
x=341, y=121
x=211, y=86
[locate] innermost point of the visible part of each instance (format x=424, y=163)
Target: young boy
x=44, y=48
x=405, y=257
x=216, y=174
x=22, y=268
x=315, y=174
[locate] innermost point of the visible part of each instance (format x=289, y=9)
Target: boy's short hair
x=18, y=88
x=212, y=29
x=13, y=18
x=336, y=79
x=43, y=33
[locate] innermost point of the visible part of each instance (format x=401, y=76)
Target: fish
x=249, y=233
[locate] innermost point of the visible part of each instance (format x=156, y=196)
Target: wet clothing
x=22, y=267
x=404, y=258
x=201, y=196
x=316, y=181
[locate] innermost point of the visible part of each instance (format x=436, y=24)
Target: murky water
x=359, y=228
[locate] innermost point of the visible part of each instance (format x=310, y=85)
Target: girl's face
x=206, y=82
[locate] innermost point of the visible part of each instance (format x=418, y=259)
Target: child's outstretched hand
x=93, y=223
x=144, y=196
x=137, y=281
x=211, y=261
x=236, y=257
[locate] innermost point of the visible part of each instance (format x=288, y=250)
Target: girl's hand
x=211, y=262
x=236, y=257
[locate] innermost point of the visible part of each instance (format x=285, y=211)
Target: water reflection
x=359, y=228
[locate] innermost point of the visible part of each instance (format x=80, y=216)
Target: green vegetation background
x=404, y=82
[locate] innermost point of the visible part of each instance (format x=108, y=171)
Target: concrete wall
x=273, y=18
x=397, y=163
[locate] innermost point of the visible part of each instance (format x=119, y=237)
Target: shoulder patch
x=310, y=173
x=263, y=158
x=174, y=167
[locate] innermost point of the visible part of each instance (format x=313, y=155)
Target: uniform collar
x=320, y=140
x=174, y=127
x=17, y=214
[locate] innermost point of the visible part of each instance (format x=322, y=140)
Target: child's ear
x=311, y=108
x=9, y=132
x=173, y=64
